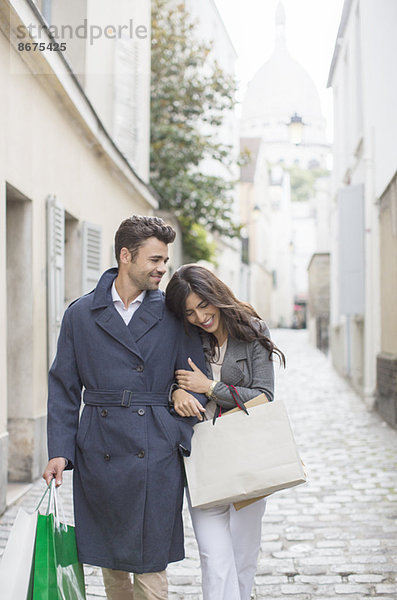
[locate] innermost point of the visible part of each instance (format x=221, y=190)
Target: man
x=121, y=346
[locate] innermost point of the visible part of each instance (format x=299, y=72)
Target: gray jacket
x=247, y=367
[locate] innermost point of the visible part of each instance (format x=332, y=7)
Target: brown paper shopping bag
x=243, y=456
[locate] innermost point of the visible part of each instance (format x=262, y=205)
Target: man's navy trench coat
x=126, y=450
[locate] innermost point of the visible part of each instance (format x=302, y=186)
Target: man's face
x=149, y=266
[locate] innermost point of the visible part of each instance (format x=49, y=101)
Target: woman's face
x=201, y=313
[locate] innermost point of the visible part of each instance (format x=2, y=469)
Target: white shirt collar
x=116, y=297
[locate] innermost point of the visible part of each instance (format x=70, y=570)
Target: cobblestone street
x=334, y=537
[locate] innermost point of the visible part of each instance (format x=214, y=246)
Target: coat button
x=139, y=368
x=107, y=457
x=141, y=453
x=141, y=411
x=104, y=412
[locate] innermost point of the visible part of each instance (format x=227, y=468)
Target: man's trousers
x=146, y=586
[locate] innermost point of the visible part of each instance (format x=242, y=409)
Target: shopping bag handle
x=236, y=397
x=42, y=498
x=57, y=506
x=54, y=505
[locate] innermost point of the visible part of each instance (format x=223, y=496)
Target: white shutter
x=126, y=98
x=351, y=250
x=55, y=272
x=91, y=256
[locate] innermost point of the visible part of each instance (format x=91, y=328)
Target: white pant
x=229, y=544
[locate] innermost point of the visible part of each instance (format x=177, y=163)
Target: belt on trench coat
x=124, y=398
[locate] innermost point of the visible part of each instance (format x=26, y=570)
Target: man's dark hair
x=133, y=231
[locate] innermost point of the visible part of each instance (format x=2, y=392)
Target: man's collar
x=102, y=295
x=116, y=295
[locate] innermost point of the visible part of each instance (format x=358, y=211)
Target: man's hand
x=194, y=380
x=54, y=470
x=187, y=405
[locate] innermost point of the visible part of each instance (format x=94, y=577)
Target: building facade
x=266, y=212
x=319, y=301
x=69, y=173
x=282, y=101
x=363, y=276
x=386, y=367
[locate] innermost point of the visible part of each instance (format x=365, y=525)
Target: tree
x=190, y=95
x=303, y=182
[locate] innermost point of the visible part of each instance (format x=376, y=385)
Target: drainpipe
x=371, y=235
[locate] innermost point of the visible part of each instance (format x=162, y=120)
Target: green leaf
x=190, y=94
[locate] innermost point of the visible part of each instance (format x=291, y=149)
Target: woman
x=238, y=353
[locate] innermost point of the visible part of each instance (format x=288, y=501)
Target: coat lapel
x=107, y=316
x=148, y=314
x=111, y=322
x=235, y=350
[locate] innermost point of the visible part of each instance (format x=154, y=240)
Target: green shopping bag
x=57, y=573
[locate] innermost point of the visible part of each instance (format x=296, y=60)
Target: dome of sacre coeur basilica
x=280, y=89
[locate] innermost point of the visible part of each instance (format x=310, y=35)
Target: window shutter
x=55, y=272
x=351, y=250
x=130, y=100
x=126, y=91
x=91, y=255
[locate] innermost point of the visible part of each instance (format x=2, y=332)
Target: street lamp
x=256, y=211
x=295, y=129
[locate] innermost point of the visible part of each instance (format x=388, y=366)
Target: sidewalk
x=335, y=537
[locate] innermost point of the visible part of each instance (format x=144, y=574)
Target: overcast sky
x=311, y=28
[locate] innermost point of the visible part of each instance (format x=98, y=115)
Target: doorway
x=19, y=262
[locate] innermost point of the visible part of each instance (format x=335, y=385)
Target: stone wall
x=319, y=300
x=386, y=376
x=386, y=396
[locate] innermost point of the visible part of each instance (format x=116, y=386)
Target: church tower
x=287, y=218
x=282, y=93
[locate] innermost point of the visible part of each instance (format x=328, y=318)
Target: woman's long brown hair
x=239, y=318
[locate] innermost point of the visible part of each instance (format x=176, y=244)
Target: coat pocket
x=238, y=373
x=168, y=425
x=84, y=425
